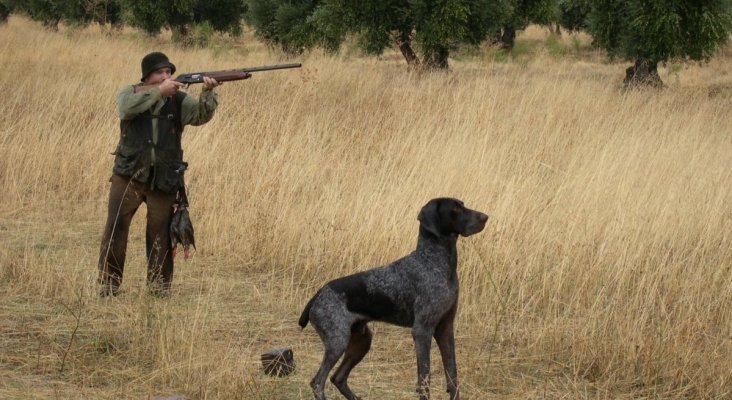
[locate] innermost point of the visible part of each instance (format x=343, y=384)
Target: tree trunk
x=52, y=23
x=436, y=58
x=112, y=18
x=643, y=73
x=182, y=35
x=4, y=13
x=495, y=37
x=404, y=42
x=508, y=38
x=557, y=30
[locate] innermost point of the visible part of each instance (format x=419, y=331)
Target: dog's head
x=446, y=216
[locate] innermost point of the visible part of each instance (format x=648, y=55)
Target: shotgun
x=231, y=74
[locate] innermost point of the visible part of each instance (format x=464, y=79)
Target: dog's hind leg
x=358, y=346
x=330, y=317
x=335, y=346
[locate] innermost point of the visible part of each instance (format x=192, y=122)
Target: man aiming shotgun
x=148, y=164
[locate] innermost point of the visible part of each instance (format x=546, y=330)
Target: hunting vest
x=154, y=159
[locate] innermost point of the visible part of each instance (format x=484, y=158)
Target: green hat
x=155, y=61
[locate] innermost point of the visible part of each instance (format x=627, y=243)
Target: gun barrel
x=272, y=67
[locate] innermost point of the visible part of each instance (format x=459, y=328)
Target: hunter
x=148, y=167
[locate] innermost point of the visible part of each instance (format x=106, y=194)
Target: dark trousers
x=125, y=197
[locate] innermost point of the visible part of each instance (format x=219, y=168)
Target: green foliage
x=183, y=16
x=179, y=15
x=438, y=25
x=523, y=51
x=261, y=15
x=555, y=47
x=76, y=13
x=202, y=33
x=660, y=30
x=331, y=26
x=573, y=14
x=576, y=44
x=296, y=30
x=486, y=17
x=497, y=54
x=373, y=22
x=374, y=41
x=47, y=12
x=4, y=13
x=146, y=15
x=525, y=12
x=285, y=23
x=521, y=13
x=435, y=25
x=108, y=11
x=7, y=7
x=220, y=15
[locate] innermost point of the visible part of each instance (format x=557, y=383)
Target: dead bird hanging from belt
x=181, y=227
x=181, y=231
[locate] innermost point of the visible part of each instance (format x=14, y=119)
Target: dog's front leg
x=445, y=338
x=423, y=342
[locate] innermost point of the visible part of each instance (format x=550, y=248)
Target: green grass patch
x=555, y=47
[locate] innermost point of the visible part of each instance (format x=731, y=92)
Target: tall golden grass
x=604, y=271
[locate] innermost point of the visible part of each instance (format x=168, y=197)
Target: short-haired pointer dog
x=419, y=291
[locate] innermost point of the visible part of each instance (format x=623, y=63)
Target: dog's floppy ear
x=429, y=218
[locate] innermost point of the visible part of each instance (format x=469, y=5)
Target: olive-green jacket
x=151, y=128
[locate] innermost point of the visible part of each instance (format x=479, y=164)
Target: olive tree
x=5, y=10
x=525, y=12
x=573, y=14
x=649, y=32
x=181, y=15
x=429, y=27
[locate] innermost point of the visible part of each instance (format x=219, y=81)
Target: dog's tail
x=305, y=316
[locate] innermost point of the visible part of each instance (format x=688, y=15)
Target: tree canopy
x=646, y=32
x=150, y=16
x=182, y=15
x=427, y=26
x=652, y=31
x=573, y=14
x=525, y=12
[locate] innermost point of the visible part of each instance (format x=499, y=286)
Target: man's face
x=158, y=76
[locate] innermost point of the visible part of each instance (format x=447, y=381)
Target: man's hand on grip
x=169, y=87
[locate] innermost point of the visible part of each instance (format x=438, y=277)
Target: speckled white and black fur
x=418, y=291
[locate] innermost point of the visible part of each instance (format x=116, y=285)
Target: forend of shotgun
x=231, y=74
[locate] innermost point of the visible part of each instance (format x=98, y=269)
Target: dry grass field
x=604, y=272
